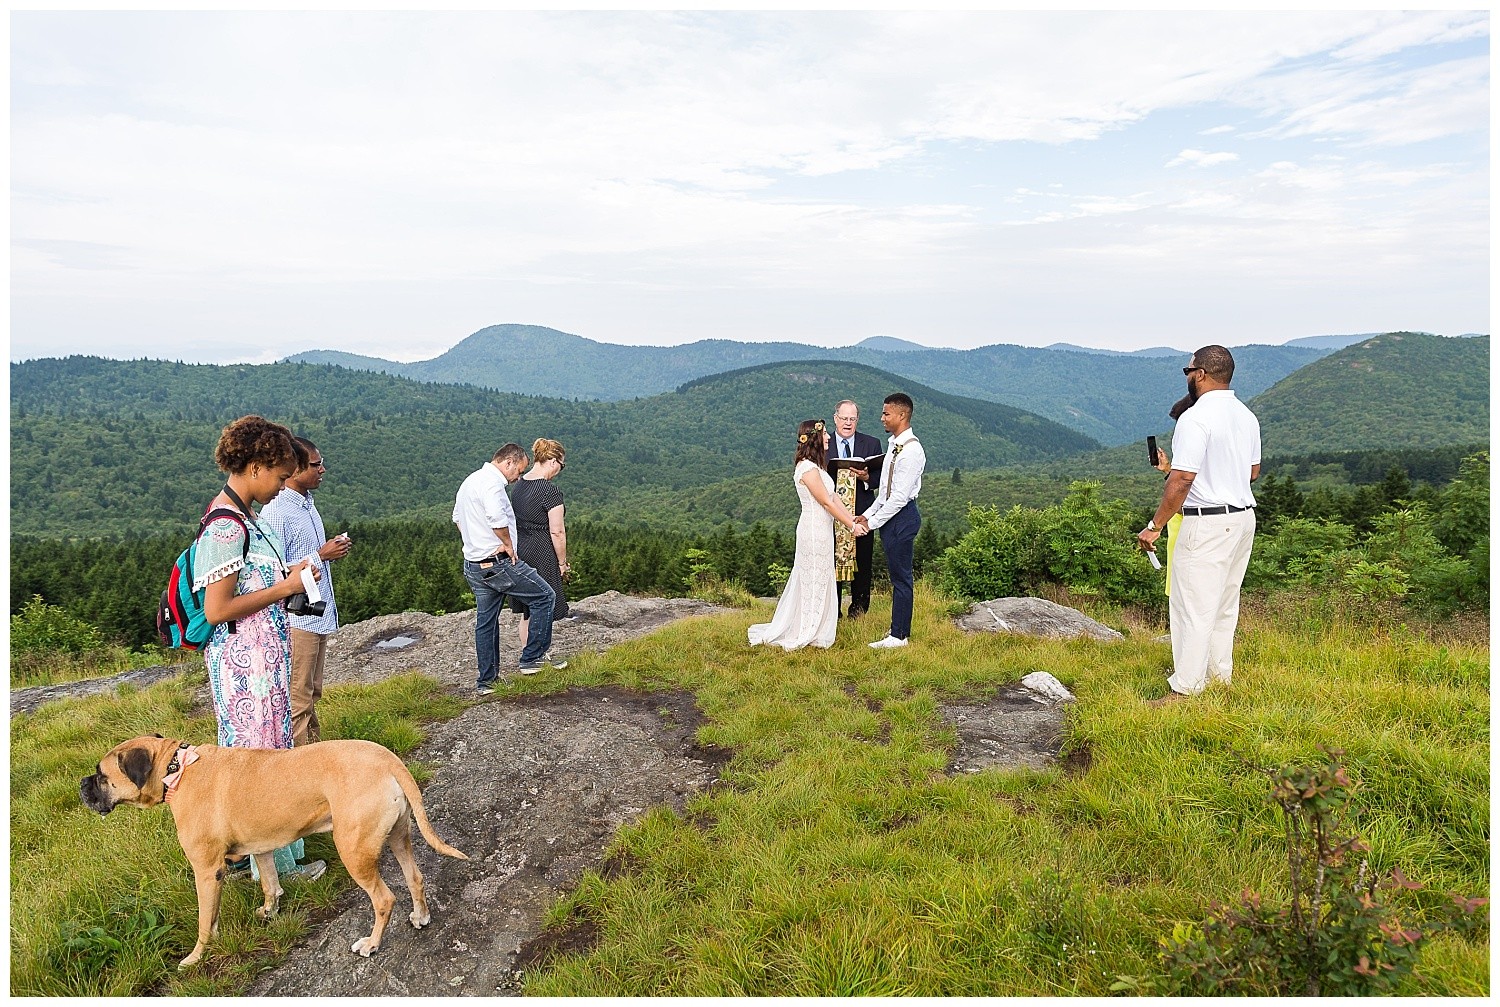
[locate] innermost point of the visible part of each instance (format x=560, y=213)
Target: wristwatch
x=1151, y=524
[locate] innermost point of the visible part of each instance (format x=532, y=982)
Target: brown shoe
x=1170, y=697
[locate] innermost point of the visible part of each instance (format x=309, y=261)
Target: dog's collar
x=184, y=757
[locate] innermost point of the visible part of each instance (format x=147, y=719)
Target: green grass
x=840, y=860
x=104, y=882
x=837, y=858
x=48, y=667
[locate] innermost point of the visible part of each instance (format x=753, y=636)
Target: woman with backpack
x=239, y=567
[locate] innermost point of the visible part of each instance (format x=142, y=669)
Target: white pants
x=1208, y=566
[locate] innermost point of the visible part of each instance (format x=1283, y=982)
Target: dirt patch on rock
x=532, y=789
x=1016, y=727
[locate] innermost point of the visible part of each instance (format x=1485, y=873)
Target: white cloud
x=296, y=167
x=1202, y=158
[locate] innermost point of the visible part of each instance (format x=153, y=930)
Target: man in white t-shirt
x=1215, y=458
x=487, y=524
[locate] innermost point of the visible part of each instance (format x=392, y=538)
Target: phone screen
x=1151, y=452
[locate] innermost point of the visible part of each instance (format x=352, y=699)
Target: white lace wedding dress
x=808, y=612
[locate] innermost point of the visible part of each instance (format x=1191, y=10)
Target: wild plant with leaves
x=1335, y=937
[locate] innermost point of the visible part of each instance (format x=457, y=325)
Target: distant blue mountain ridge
x=1112, y=396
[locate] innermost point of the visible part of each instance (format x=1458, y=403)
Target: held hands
x=861, y=525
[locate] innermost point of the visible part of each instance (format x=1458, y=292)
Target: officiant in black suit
x=848, y=442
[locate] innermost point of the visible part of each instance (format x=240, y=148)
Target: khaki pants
x=1208, y=566
x=308, y=652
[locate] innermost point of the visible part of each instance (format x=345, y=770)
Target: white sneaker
x=889, y=641
x=310, y=871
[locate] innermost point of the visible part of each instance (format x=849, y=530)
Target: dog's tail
x=414, y=798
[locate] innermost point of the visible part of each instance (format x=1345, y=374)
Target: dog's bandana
x=184, y=757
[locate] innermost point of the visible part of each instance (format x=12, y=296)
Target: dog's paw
x=364, y=947
x=419, y=920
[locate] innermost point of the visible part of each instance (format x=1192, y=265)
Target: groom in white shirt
x=895, y=511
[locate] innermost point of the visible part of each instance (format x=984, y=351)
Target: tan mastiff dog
x=232, y=801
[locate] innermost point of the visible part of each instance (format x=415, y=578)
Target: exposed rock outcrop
x=1033, y=617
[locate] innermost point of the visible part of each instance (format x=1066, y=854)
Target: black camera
x=300, y=604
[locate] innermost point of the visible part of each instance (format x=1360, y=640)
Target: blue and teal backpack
x=180, y=621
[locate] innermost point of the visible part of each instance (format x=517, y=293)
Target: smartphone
x=1151, y=452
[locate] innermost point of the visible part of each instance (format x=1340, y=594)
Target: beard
x=1192, y=394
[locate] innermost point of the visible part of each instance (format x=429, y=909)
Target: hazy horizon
x=923, y=346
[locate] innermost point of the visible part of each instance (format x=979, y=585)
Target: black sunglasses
x=1188, y=370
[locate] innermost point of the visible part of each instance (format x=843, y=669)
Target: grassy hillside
x=1398, y=390
x=1110, y=397
x=839, y=858
x=101, y=446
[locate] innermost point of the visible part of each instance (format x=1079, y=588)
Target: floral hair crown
x=817, y=429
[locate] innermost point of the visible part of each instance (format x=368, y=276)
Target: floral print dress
x=249, y=670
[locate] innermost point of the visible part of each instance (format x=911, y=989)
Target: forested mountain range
x=1397, y=390
x=1113, y=398
x=105, y=446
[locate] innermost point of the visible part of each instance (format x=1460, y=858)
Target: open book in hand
x=857, y=463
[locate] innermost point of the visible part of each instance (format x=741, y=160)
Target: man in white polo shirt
x=1215, y=458
x=487, y=524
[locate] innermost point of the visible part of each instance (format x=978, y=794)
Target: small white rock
x=1045, y=684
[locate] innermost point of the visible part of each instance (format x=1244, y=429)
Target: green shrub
x=1300, y=551
x=1462, y=519
x=1084, y=544
x=1000, y=556
x=1091, y=548
x=43, y=627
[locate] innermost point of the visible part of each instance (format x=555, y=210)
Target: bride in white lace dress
x=808, y=611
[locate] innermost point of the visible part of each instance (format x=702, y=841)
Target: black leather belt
x=1208, y=511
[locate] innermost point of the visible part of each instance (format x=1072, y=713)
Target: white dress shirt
x=480, y=508
x=902, y=473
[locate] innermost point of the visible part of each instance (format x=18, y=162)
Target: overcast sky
x=245, y=186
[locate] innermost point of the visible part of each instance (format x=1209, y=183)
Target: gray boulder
x=1033, y=617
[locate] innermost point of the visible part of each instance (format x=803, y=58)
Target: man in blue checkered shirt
x=297, y=521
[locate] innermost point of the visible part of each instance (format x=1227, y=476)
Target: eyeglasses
x=562, y=463
x=1188, y=370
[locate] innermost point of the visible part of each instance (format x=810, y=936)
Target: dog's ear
x=156, y=736
x=136, y=765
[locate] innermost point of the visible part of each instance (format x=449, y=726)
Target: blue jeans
x=898, y=537
x=492, y=580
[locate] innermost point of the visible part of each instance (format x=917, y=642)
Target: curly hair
x=544, y=450
x=255, y=440
x=810, y=446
